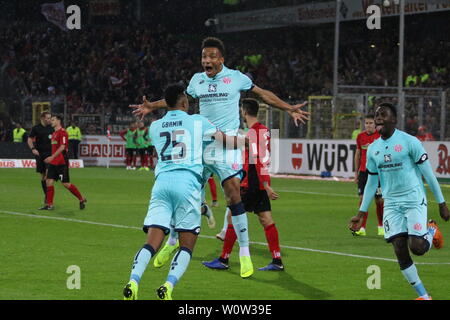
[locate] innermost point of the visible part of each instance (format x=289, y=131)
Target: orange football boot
x=438, y=240
x=420, y=298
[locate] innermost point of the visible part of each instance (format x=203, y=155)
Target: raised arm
x=141, y=110
x=294, y=111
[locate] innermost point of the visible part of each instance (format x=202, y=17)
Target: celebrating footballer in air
x=218, y=90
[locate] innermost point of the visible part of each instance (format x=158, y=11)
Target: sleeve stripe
x=422, y=159
x=372, y=173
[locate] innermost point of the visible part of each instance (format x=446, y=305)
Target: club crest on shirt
x=398, y=148
x=212, y=87
x=227, y=80
x=387, y=158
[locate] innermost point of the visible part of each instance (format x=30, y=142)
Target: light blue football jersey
x=219, y=97
x=178, y=140
x=395, y=160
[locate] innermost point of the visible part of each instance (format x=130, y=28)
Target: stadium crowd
x=104, y=69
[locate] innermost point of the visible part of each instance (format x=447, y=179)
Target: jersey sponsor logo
x=212, y=87
x=392, y=165
x=227, y=80
x=398, y=148
x=214, y=95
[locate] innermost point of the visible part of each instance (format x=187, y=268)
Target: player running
x=400, y=161
x=58, y=165
x=178, y=139
x=218, y=89
x=363, y=140
x=40, y=145
x=255, y=190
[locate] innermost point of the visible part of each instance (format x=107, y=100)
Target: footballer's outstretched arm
x=141, y=110
x=271, y=99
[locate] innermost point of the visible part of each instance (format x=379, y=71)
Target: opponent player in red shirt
x=256, y=192
x=363, y=140
x=58, y=165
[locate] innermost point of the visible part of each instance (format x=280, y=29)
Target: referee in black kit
x=40, y=144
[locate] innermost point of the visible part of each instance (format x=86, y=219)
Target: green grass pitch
x=322, y=259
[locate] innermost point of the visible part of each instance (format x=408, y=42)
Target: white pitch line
x=211, y=237
x=319, y=193
x=326, y=194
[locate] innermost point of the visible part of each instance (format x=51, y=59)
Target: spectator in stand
x=424, y=135
x=120, y=64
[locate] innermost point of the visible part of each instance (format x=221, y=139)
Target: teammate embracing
x=256, y=191
x=218, y=90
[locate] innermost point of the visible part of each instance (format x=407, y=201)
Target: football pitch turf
x=322, y=259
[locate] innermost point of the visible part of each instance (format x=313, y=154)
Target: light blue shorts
x=225, y=164
x=405, y=220
x=175, y=202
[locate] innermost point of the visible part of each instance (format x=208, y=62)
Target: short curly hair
x=212, y=42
